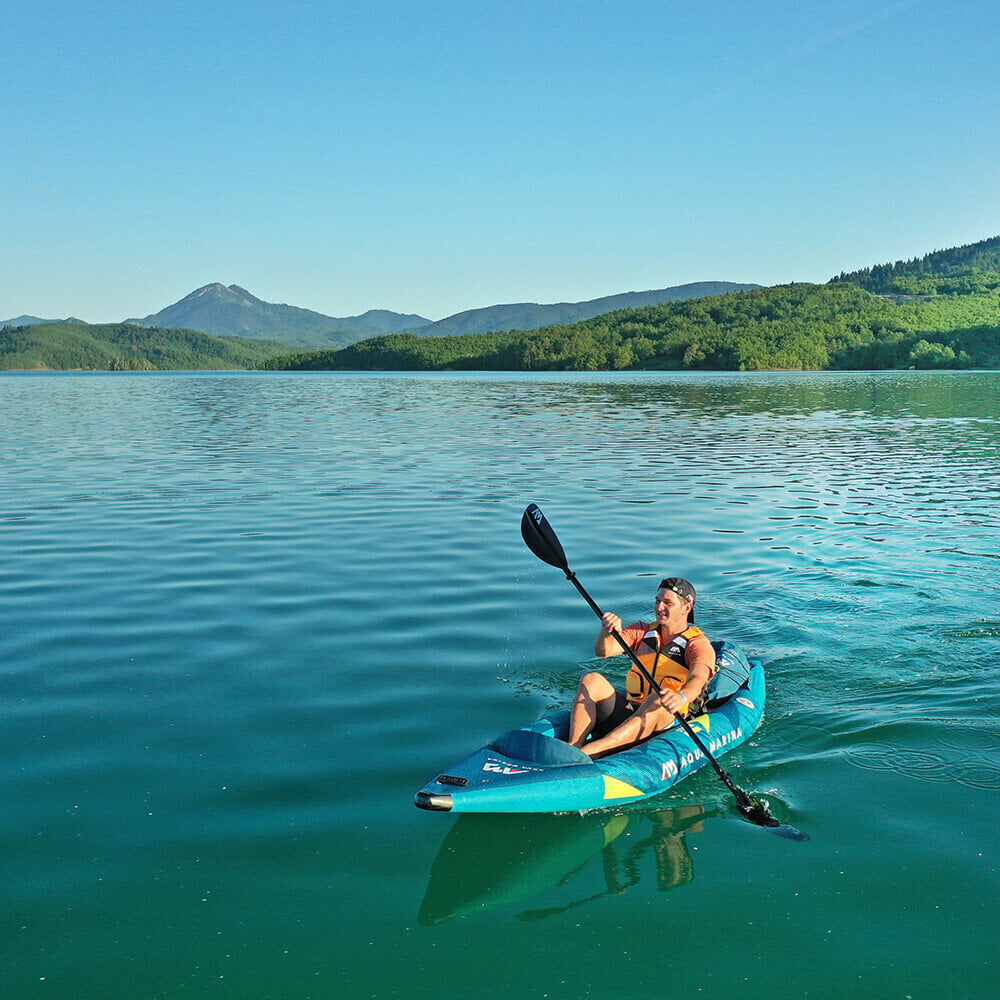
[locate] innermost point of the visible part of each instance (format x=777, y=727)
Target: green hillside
x=959, y=271
x=941, y=310
x=837, y=326
x=532, y=316
x=124, y=347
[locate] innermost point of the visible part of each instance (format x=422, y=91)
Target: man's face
x=669, y=606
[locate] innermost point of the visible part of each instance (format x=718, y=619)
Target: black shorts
x=622, y=710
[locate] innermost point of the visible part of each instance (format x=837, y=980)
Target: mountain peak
x=230, y=310
x=215, y=288
x=243, y=294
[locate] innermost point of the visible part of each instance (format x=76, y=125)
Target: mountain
x=951, y=320
x=71, y=345
x=531, y=316
x=35, y=320
x=941, y=310
x=233, y=311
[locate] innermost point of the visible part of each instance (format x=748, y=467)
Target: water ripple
x=244, y=617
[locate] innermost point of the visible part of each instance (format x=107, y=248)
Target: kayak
x=534, y=769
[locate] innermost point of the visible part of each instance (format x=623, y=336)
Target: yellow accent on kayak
x=615, y=789
x=703, y=721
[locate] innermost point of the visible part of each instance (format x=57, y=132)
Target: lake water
x=244, y=617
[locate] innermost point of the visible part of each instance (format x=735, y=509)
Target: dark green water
x=244, y=618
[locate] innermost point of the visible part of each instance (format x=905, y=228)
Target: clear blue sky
x=439, y=156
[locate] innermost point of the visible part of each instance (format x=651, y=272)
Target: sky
x=432, y=157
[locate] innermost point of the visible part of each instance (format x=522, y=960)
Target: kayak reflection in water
x=675, y=652
x=674, y=865
x=673, y=862
x=487, y=861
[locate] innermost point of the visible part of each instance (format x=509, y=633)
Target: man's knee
x=654, y=718
x=596, y=685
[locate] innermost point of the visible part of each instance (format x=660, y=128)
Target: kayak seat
x=732, y=673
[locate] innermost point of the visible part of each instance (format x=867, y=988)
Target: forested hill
x=838, y=325
x=124, y=347
x=959, y=271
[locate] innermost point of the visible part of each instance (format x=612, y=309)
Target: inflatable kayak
x=533, y=769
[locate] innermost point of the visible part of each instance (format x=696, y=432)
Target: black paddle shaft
x=542, y=540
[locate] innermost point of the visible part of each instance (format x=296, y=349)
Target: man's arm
x=606, y=644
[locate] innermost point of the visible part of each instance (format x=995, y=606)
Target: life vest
x=670, y=665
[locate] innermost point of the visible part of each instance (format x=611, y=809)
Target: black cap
x=682, y=588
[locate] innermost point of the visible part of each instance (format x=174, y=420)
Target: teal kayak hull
x=533, y=769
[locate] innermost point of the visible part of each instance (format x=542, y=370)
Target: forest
x=800, y=326
x=125, y=347
x=941, y=310
x=963, y=270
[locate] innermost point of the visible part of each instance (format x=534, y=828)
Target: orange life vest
x=670, y=663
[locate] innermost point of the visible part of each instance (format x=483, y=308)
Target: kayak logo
x=746, y=702
x=499, y=767
x=723, y=741
x=671, y=768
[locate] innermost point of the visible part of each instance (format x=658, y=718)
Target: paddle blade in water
x=789, y=832
x=754, y=811
x=540, y=538
x=758, y=813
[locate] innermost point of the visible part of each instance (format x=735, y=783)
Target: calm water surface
x=244, y=617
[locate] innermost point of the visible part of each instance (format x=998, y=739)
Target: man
x=674, y=651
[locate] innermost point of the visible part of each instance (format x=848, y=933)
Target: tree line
x=798, y=326
x=964, y=270
x=125, y=347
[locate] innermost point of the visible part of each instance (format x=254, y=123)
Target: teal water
x=243, y=618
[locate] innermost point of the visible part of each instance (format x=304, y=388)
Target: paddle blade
x=755, y=811
x=541, y=539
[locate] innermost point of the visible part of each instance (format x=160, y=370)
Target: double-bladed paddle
x=542, y=540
